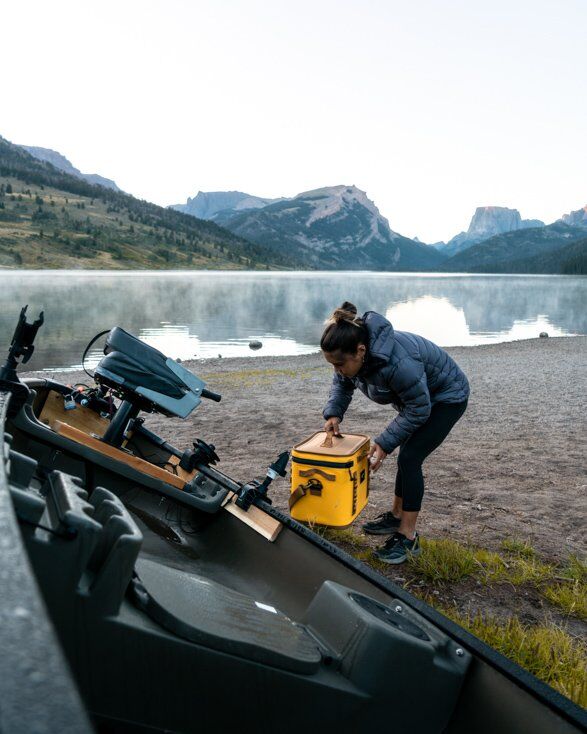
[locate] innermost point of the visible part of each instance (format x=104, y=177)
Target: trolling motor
x=257, y=489
x=143, y=379
x=21, y=347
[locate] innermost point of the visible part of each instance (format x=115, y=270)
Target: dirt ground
x=515, y=465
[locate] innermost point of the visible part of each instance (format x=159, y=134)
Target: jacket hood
x=381, y=337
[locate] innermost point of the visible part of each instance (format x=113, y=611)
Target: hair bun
x=345, y=331
x=345, y=313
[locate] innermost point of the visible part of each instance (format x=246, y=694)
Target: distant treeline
x=569, y=260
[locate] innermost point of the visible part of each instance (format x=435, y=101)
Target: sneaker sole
x=397, y=561
x=389, y=531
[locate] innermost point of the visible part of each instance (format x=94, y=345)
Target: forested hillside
x=50, y=219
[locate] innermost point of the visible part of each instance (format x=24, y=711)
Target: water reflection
x=204, y=314
x=437, y=319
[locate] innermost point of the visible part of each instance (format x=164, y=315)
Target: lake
x=204, y=314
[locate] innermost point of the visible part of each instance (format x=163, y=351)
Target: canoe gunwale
x=28, y=637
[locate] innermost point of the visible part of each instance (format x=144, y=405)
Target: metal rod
x=115, y=431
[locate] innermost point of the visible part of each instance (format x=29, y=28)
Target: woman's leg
x=412, y=454
x=397, y=499
x=419, y=445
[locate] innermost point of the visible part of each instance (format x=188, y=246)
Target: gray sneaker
x=398, y=549
x=385, y=524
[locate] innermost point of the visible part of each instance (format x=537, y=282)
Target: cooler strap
x=322, y=462
x=312, y=486
x=311, y=472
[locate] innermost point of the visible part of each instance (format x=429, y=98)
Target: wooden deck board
x=254, y=517
x=80, y=417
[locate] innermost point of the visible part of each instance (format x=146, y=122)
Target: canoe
x=146, y=591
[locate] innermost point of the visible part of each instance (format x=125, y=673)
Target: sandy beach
x=513, y=467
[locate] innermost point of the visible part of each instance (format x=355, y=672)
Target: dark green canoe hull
x=164, y=618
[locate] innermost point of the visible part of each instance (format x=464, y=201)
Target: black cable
x=87, y=349
x=181, y=523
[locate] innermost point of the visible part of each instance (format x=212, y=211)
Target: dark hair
x=344, y=331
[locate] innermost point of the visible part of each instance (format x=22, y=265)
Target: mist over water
x=203, y=314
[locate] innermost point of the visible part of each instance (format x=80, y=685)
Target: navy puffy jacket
x=404, y=370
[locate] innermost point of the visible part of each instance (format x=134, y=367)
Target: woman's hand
x=332, y=426
x=376, y=457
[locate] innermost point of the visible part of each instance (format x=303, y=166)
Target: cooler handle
x=327, y=443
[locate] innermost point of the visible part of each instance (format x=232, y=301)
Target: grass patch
x=520, y=548
x=368, y=556
x=341, y=535
x=526, y=571
x=447, y=561
x=444, y=561
x=547, y=651
x=571, y=598
x=576, y=569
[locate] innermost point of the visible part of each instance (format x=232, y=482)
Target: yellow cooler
x=329, y=479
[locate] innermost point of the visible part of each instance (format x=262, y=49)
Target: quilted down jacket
x=404, y=370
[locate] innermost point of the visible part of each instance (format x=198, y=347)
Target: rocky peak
x=63, y=164
x=54, y=158
x=488, y=221
x=577, y=218
x=207, y=204
x=338, y=201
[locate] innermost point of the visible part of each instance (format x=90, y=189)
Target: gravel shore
x=513, y=467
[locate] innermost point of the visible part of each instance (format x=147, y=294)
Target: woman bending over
x=421, y=381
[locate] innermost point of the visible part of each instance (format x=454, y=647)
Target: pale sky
x=433, y=107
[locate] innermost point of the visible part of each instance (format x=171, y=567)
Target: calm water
x=203, y=314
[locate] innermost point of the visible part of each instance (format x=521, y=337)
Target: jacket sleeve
x=408, y=381
x=341, y=394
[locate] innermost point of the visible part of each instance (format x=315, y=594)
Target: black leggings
x=409, y=482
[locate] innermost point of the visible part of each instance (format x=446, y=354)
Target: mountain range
x=555, y=248
x=339, y=227
x=334, y=227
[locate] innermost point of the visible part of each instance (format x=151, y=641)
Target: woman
x=422, y=382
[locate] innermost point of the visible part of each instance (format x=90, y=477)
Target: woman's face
x=347, y=365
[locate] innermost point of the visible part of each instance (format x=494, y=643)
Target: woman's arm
x=408, y=381
x=341, y=394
